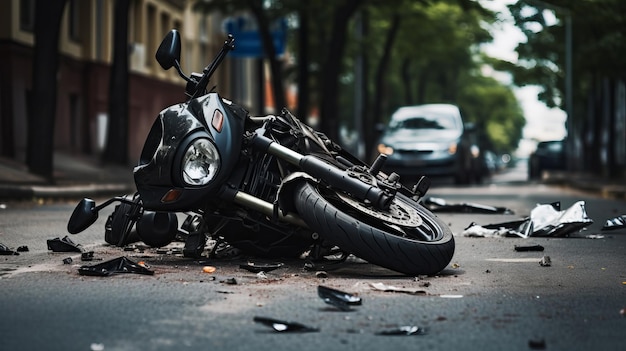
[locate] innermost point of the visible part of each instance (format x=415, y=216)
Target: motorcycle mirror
x=84, y=215
x=168, y=53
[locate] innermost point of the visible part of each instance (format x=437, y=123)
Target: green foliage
x=598, y=33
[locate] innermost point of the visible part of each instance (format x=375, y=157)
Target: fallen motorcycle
x=269, y=186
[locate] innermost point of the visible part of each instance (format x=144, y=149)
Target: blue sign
x=248, y=41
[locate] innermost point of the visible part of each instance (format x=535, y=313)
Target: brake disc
x=400, y=213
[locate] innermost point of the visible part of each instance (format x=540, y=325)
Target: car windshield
x=425, y=122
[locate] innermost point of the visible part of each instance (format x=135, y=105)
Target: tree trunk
x=407, y=81
x=303, y=64
x=379, y=83
x=41, y=118
x=268, y=46
x=332, y=68
x=116, y=150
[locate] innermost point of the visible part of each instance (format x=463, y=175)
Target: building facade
x=85, y=48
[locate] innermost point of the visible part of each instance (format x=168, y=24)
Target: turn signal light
x=172, y=195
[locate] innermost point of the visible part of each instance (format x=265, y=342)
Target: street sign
x=248, y=42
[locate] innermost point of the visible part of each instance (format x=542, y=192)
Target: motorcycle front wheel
x=407, y=238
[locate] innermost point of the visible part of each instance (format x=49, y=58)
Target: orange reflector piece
x=209, y=269
x=218, y=120
x=171, y=195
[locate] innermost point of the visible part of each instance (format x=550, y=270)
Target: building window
x=27, y=15
x=74, y=21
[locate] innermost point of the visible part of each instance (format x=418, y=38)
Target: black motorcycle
x=269, y=186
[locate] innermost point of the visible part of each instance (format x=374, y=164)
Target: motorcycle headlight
x=201, y=162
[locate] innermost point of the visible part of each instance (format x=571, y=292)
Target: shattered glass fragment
x=261, y=267
x=117, y=265
x=284, y=326
x=436, y=204
x=615, y=223
x=6, y=251
x=407, y=330
x=337, y=298
x=63, y=245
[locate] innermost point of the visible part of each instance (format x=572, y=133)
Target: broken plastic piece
x=406, y=330
x=545, y=261
x=544, y=220
x=117, y=265
x=23, y=248
x=615, y=223
x=436, y=204
x=339, y=299
x=87, y=256
x=521, y=248
x=6, y=251
x=208, y=269
x=284, y=326
x=64, y=245
x=261, y=267
x=67, y=260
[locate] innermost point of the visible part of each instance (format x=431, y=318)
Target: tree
x=116, y=150
x=42, y=112
x=598, y=29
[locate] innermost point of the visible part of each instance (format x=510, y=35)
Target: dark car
x=549, y=155
x=429, y=140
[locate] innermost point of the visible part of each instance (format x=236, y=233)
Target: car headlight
x=452, y=148
x=201, y=162
x=384, y=149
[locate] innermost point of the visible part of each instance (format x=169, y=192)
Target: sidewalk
x=75, y=177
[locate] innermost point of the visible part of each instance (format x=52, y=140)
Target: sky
x=542, y=123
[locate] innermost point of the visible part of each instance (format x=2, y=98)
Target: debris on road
x=391, y=288
x=67, y=260
x=261, y=267
x=407, y=330
x=6, y=251
x=544, y=220
x=615, y=223
x=117, y=265
x=435, y=204
x=22, y=248
x=545, y=261
x=539, y=344
x=208, y=269
x=342, y=300
x=63, y=245
x=522, y=248
x=284, y=326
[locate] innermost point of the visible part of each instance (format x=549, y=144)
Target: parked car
x=429, y=140
x=549, y=155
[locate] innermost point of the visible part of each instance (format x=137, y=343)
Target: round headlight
x=200, y=162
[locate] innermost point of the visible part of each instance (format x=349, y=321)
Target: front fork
x=360, y=183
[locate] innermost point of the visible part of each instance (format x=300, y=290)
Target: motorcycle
x=269, y=186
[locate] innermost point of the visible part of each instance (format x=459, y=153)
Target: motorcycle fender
x=285, y=190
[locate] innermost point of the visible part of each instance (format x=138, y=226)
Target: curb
x=29, y=192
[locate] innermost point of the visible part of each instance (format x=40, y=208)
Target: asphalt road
x=490, y=297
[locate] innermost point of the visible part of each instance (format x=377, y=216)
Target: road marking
x=534, y=260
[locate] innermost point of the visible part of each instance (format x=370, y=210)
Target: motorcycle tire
x=423, y=250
